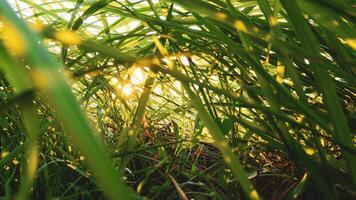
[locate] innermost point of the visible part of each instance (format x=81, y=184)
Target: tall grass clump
x=176, y=99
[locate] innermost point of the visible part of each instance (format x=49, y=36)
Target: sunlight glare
x=158, y=90
x=127, y=90
x=184, y=60
x=139, y=76
x=114, y=81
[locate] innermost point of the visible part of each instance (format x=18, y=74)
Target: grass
x=177, y=99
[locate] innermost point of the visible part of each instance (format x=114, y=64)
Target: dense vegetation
x=177, y=99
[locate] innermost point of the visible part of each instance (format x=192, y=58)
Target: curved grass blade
x=52, y=83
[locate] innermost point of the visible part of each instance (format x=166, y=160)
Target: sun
x=127, y=89
x=138, y=76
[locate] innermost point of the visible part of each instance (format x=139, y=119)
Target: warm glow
x=67, y=37
x=184, y=60
x=158, y=90
x=114, y=81
x=12, y=38
x=127, y=89
x=177, y=85
x=139, y=76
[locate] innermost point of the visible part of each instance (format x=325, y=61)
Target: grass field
x=176, y=99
